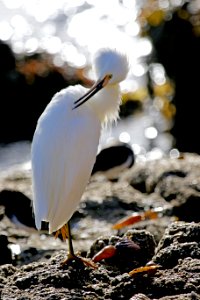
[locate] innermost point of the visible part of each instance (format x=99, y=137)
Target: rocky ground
x=169, y=243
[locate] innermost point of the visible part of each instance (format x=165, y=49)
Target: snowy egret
x=114, y=159
x=65, y=143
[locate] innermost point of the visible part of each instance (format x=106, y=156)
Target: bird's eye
x=110, y=76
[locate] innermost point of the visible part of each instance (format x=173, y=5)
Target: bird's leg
x=66, y=233
x=71, y=254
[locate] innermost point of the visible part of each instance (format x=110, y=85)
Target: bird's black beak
x=94, y=89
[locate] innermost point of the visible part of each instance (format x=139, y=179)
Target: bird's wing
x=63, y=153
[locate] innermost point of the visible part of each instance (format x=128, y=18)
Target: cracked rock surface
x=31, y=261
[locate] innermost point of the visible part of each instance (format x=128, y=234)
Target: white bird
x=66, y=139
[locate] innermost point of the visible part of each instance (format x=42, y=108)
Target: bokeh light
x=151, y=132
x=71, y=31
x=124, y=137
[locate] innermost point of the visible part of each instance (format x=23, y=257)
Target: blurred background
x=47, y=45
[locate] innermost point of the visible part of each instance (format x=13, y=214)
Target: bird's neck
x=106, y=103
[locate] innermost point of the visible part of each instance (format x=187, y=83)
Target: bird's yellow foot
x=86, y=261
x=65, y=233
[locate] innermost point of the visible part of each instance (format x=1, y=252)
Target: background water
x=72, y=31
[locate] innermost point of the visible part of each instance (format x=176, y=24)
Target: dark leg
x=66, y=233
x=71, y=249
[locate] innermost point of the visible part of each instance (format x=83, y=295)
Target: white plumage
x=65, y=142
x=62, y=157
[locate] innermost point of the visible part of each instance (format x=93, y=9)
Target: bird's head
x=111, y=67
x=111, y=64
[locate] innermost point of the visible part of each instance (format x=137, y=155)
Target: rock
x=5, y=252
x=175, y=180
x=135, y=248
x=171, y=184
x=18, y=207
x=180, y=241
